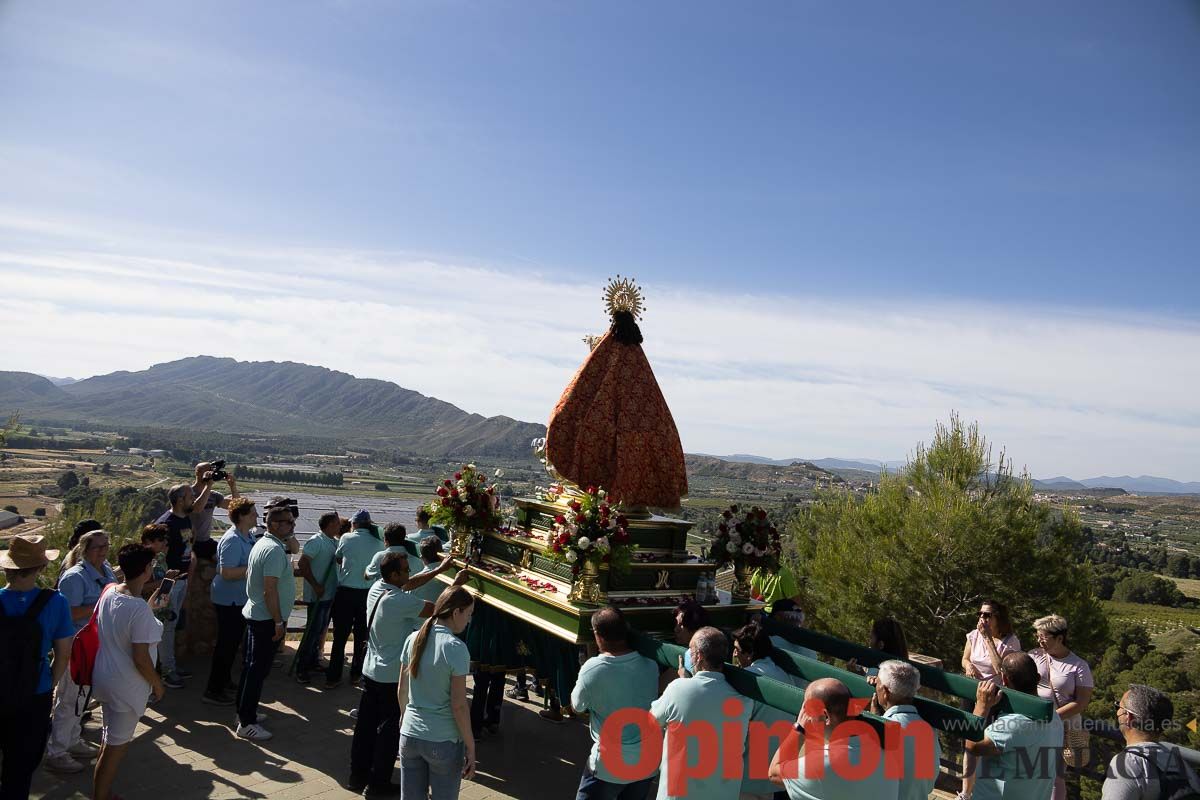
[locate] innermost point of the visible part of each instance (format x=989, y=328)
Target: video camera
x=218, y=470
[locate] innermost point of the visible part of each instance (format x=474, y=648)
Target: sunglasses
x=986, y=615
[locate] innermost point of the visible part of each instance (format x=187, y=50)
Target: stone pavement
x=185, y=749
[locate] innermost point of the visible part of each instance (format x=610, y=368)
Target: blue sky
x=1026, y=172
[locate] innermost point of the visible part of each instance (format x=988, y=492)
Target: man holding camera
x=184, y=502
x=202, y=514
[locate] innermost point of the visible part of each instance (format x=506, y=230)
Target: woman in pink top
x=992, y=639
x=1063, y=678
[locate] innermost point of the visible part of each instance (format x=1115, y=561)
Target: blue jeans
x=592, y=788
x=430, y=769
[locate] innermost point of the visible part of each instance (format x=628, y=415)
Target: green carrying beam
x=790, y=699
x=931, y=677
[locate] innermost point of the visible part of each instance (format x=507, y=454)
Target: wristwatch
x=798, y=728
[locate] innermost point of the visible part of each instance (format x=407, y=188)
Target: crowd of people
x=411, y=664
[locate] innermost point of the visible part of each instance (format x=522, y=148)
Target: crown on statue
x=623, y=294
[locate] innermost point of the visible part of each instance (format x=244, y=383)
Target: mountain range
x=269, y=398
x=1144, y=484
x=205, y=393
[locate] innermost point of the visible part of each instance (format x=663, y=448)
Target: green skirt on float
x=497, y=639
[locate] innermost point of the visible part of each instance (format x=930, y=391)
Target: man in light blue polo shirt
x=394, y=535
x=707, y=700
x=895, y=687
x=82, y=585
x=392, y=615
x=318, y=568
x=270, y=595
x=354, y=553
x=827, y=780
x=618, y=678
x=1018, y=755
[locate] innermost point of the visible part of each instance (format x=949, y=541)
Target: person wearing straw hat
x=33, y=622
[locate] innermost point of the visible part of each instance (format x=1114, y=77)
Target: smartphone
x=164, y=588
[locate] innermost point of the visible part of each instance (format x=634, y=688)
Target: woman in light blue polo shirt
x=437, y=749
x=228, y=597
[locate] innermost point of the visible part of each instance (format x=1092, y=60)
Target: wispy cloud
x=1066, y=392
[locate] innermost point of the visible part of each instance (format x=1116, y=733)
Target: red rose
x=445, y=501
x=591, y=490
x=442, y=491
x=454, y=492
x=560, y=519
x=447, y=483
x=576, y=505
x=622, y=520
x=458, y=476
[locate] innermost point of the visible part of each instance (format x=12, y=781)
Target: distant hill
x=865, y=464
x=269, y=398
x=800, y=473
x=1143, y=484
x=1059, y=483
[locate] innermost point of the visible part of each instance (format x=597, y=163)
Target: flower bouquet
x=746, y=540
x=466, y=504
x=589, y=533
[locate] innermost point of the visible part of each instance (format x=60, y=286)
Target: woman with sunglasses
x=990, y=641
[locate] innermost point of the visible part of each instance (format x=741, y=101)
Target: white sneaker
x=62, y=763
x=255, y=733
x=84, y=749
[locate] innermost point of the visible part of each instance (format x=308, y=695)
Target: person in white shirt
x=124, y=676
x=1147, y=768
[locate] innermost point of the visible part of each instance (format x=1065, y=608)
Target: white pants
x=166, y=650
x=65, y=725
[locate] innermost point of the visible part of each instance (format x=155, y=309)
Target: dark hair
x=1021, y=672
x=694, y=615
x=240, y=507
x=753, y=639
x=82, y=527
x=134, y=558
x=422, y=514
x=1151, y=708
x=451, y=600
x=783, y=606
x=431, y=548
x=347, y=525
x=175, y=493
x=154, y=533
x=1003, y=621
x=326, y=518
x=391, y=563
x=624, y=328
x=888, y=636
x=609, y=625
x=394, y=534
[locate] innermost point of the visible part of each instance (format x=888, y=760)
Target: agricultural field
x=1167, y=626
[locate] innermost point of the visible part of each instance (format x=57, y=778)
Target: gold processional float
x=616, y=470
x=593, y=537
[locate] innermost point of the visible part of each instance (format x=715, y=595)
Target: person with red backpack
x=33, y=622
